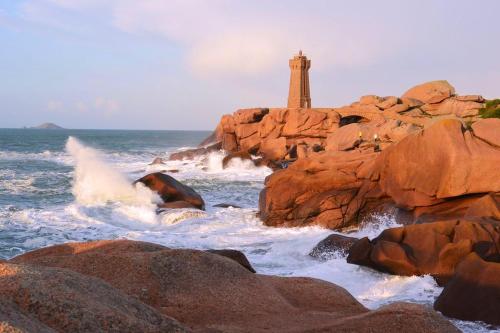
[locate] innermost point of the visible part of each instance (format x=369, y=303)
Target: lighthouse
x=299, y=95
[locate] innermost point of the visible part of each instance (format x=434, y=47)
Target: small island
x=47, y=126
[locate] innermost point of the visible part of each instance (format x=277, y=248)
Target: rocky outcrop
x=332, y=245
x=331, y=190
x=45, y=299
x=173, y=193
x=430, y=248
x=190, y=154
x=278, y=134
x=208, y=292
x=441, y=172
x=473, y=293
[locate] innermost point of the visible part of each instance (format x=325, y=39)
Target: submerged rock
x=190, y=154
x=157, y=160
x=244, y=156
x=209, y=292
x=331, y=245
x=226, y=205
x=171, y=191
x=473, y=293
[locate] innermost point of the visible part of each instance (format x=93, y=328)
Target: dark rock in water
x=226, y=205
x=235, y=255
x=332, y=244
x=473, y=293
x=209, y=293
x=157, y=160
x=171, y=190
x=196, y=152
x=242, y=155
x=50, y=299
x=177, y=204
x=430, y=248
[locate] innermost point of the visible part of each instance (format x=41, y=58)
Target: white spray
x=96, y=182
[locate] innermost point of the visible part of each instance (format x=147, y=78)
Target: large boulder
x=441, y=162
x=435, y=173
x=473, y=293
x=430, y=92
x=429, y=248
x=209, y=292
x=328, y=189
x=171, y=190
x=45, y=299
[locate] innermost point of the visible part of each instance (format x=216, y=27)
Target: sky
x=182, y=64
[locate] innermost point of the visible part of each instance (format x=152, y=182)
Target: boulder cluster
x=290, y=133
x=128, y=286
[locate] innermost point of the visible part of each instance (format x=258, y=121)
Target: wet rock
x=171, y=190
x=157, y=160
x=473, y=293
x=243, y=155
x=194, y=153
x=176, y=205
x=209, y=292
x=430, y=248
x=235, y=255
x=226, y=205
x=331, y=245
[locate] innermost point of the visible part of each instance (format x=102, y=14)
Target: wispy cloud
x=221, y=36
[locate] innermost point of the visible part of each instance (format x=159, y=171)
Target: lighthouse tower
x=299, y=95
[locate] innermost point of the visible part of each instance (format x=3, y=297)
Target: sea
x=61, y=186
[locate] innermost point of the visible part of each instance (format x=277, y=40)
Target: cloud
x=227, y=37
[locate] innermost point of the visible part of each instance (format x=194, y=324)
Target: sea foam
x=96, y=182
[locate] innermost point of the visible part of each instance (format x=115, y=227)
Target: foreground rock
x=44, y=299
x=172, y=192
x=209, y=292
x=443, y=172
x=430, y=248
x=235, y=255
x=473, y=293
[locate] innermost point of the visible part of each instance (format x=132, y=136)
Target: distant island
x=47, y=126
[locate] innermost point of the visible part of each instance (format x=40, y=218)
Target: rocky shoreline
x=427, y=157
x=128, y=286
